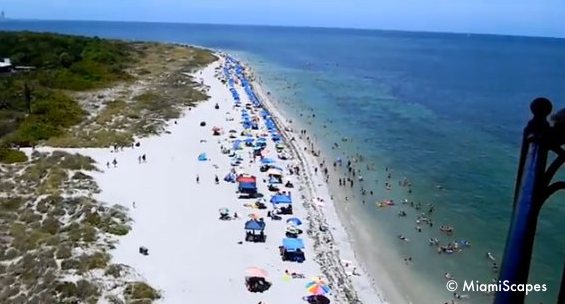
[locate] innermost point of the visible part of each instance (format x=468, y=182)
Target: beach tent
x=246, y=179
x=247, y=184
x=255, y=225
x=202, y=157
x=281, y=199
x=292, y=244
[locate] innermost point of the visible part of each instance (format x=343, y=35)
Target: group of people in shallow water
x=354, y=183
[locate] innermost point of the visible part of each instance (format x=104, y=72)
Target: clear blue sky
x=519, y=17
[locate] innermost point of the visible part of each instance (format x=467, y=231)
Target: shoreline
x=368, y=286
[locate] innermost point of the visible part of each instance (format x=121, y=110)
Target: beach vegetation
x=50, y=235
x=114, y=270
x=10, y=156
x=140, y=291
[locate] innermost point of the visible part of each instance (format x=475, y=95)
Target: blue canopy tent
x=255, y=225
x=292, y=250
x=292, y=244
x=248, y=188
x=281, y=199
x=202, y=157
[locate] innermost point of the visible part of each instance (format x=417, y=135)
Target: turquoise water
x=440, y=109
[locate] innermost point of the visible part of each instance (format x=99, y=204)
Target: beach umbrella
x=274, y=171
x=224, y=211
x=255, y=272
x=267, y=161
x=233, y=131
x=317, y=287
x=276, y=167
x=294, y=221
x=202, y=157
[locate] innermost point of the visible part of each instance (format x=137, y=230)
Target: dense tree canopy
x=61, y=63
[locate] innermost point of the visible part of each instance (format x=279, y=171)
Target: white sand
x=193, y=256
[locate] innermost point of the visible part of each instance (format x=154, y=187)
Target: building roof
x=6, y=62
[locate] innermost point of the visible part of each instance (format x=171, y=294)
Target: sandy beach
x=174, y=201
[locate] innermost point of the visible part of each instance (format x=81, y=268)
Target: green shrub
x=63, y=252
x=117, y=229
x=10, y=156
x=140, y=290
x=86, y=290
x=114, y=270
x=51, y=225
x=95, y=261
x=11, y=203
x=81, y=176
x=66, y=289
x=70, y=264
x=78, y=162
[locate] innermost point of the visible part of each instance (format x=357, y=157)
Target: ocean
x=446, y=111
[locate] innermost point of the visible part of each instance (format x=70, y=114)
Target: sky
x=514, y=17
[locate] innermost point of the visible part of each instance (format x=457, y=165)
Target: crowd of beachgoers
x=256, y=141
x=230, y=160
x=347, y=173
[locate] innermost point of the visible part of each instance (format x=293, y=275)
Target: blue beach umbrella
x=295, y=221
x=267, y=161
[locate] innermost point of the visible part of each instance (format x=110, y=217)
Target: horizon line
x=290, y=26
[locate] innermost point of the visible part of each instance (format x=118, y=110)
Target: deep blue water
x=440, y=109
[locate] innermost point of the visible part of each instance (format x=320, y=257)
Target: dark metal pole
x=529, y=197
x=561, y=297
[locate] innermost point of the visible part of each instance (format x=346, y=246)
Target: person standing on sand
x=197, y=179
x=217, y=180
x=115, y=163
x=144, y=158
x=108, y=164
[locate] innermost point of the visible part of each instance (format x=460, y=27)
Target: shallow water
x=439, y=109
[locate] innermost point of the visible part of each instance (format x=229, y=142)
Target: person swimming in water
x=402, y=237
x=490, y=256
